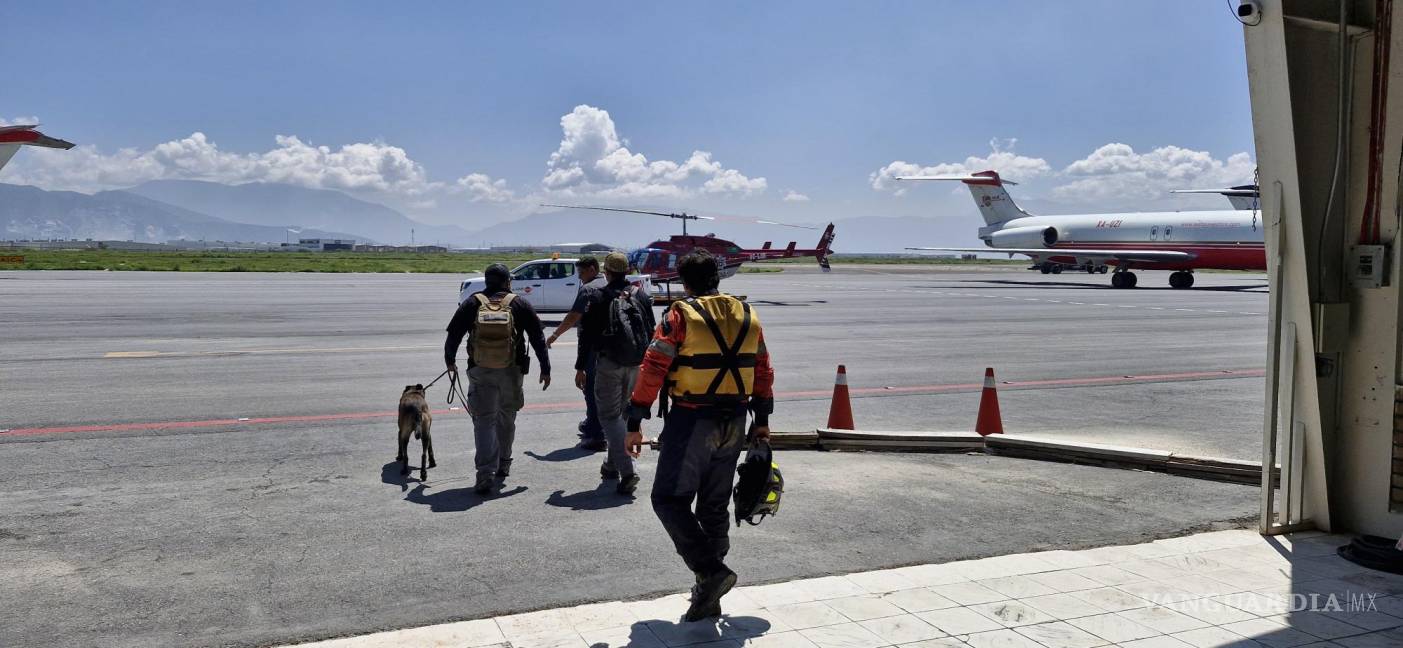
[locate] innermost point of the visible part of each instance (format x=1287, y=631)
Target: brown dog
x=414, y=418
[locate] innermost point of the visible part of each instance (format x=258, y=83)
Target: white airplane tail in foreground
x=13, y=137
x=1178, y=241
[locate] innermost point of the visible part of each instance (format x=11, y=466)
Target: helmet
x=760, y=485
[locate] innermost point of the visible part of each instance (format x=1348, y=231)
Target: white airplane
x=13, y=137
x=1177, y=241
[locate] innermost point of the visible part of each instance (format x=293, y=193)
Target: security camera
x=1249, y=12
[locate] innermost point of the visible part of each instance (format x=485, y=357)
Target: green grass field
x=201, y=261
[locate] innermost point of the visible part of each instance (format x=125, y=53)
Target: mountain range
x=167, y=210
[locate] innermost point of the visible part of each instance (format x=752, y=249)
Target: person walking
x=591, y=434
x=498, y=324
x=615, y=332
x=709, y=352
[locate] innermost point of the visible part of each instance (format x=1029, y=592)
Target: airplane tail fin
x=13, y=137
x=1242, y=197
x=825, y=248
x=994, y=203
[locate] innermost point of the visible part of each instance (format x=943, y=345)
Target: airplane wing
x=1148, y=256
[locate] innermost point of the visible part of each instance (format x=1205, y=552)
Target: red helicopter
x=659, y=258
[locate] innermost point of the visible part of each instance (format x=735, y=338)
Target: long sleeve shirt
x=524, y=318
x=671, y=334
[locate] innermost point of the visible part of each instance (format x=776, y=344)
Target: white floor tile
x=1060, y=635
x=1155, y=642
x=1001, y=639
x=544, y=622
x=1111, y=599
x=1113, y=628
x=800, y=616
x=929, y=575
x=791, y=639
x=847, y=635
x=959, y=621
x=902, y=629
x=599, y=616
x=829, y=587
x=1212, y=637
x=862, y=608
x=1064, y=606
x=1211, y=611
x=1012, y=614
x=920, y=599
x=1163, y=619
x=1270, y=633
x=883, y=581
x=1064, y=581
x=968, y=593
x=946, y=642
x=1015, y=587
x=1107, y=575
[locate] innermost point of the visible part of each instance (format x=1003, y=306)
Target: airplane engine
x=1024, y=237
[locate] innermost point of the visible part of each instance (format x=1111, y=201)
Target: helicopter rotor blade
x=683, y=216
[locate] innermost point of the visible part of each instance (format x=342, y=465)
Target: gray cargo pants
x=494, y=396
x=613, y=384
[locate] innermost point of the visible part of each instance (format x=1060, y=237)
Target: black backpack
x=629, y=329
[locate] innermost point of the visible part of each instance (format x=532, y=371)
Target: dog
x=414, y=418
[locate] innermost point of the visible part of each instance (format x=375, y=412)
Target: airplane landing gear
x=1045, y=268
x=1123, y=279
x=1181, y=279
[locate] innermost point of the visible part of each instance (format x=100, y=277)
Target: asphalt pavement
x=141, y=510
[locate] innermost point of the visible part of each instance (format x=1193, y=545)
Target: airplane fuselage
x=1224, y=240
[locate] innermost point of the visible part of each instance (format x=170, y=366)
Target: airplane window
x=1168, y=232
x=1154, y=232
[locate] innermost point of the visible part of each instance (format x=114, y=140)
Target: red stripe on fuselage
x=1218, y=256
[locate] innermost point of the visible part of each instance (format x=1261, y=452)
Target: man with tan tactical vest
x=498, y=323
x=709, y=353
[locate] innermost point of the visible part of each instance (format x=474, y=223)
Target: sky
x=473, y=113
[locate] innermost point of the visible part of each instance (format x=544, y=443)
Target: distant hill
x=283, y=205
x=33, y=213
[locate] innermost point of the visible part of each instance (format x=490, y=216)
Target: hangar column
x=1327, y=113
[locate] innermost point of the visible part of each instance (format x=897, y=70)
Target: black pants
x=697, y=463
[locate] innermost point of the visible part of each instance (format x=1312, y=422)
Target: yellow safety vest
x=717, y=360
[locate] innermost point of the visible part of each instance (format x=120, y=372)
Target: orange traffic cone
x=989, y=421
x=840, y=412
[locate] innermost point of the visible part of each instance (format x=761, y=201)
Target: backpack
x=628, y=332
x=493, y=343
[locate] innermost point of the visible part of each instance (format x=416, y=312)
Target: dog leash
x=455, y=387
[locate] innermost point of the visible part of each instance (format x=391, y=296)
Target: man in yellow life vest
x=709, y=353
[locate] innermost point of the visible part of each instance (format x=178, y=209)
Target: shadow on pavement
x=564, y=454
x=389, y=474
x=678, y=633
x=454, y=500
x=602, y=497
x=770, y=302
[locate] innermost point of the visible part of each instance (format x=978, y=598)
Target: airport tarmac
x=141, y=510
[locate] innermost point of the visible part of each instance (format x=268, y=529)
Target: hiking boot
x=484, y=486
x=608, y=472
x=593, y=445
x=628, y=484
x=504, y=469
x=712, y=612
x=707, y=593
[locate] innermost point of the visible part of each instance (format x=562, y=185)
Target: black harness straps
x=729, y=361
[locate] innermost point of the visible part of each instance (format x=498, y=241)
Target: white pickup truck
x=549, y=284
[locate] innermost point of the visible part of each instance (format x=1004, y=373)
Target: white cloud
x=1115, y=172
x=369, y=167
x=1112, y=176
x=593, y=160
x=1001, y=158
x=481, y=187
x=794, y=196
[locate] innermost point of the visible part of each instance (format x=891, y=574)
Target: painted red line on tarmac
x=577, y=405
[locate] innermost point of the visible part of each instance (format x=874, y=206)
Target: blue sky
x=813, y=98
